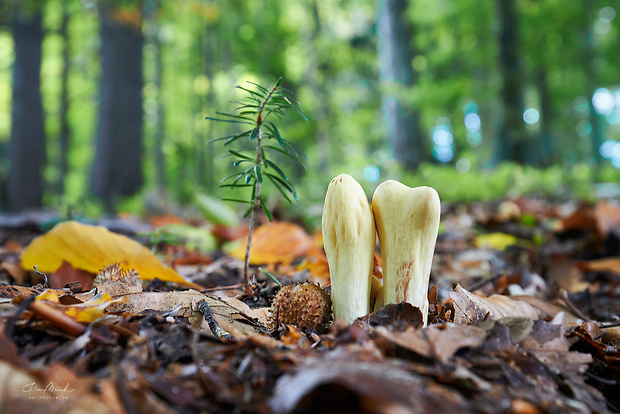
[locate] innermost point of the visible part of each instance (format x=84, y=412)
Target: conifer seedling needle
x=255, y=164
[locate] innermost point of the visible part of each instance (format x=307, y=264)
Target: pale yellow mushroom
x=349, y=242
x=407, y=222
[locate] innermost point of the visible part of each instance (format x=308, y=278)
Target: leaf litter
x=523, y=318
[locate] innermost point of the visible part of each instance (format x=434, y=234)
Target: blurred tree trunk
x=27, y=143
x=511, y=145
x=153, y=7
x=117, y=169
x=395, y=55
x=64, y=135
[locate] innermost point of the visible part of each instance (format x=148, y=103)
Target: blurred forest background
x=103, y=103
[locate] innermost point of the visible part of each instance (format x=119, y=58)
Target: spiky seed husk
x=305, y=304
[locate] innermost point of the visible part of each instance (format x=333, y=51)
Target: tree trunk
x=27, y=143
x=159, y=164
x=511, y=144
x=395, y=55
x=64, y=135
x=117, y=169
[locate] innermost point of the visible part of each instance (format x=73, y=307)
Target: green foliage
x=193, y=238
x=215, y=211
x=257, y=162
x=507, y=180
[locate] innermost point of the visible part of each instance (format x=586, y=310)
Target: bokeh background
x=103, y=103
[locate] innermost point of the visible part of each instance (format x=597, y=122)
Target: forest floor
x=523, y=318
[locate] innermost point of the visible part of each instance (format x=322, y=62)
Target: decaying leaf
x=446, y=339
x=471, y=308
x=91, y=248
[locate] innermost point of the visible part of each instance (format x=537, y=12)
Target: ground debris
x=524, y=319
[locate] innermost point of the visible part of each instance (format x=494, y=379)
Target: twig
x=213, y=325
x=42, y=274
x=609, y=325
x=216, y=288
x=571, y=305
x=9, y=329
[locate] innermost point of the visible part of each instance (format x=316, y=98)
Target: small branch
x=215, y=328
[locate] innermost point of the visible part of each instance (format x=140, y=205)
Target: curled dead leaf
x=471, y=308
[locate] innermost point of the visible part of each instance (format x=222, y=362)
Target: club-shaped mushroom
x=349, y=242
x=407, y=222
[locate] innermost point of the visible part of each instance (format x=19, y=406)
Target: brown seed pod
x=305, y=304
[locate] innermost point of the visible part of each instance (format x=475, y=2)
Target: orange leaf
x=165, y=219
x=276, y=242
x=91, y=248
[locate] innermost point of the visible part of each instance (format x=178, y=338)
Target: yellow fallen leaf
x=92, y=309
x=92, y=248
x=49, y=296
x=497, y=241
x=83, y=312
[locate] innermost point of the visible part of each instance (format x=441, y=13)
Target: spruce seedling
x=255, y=113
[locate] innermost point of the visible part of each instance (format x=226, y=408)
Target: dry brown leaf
x=411, y=339
x=446, y=340
x=55, y=390
x=66, y=274
x=581, y=219
x=230, y=319
x=91, y=248
x=15, y=270
x=609, y=264
x=12, y=246
x=607, y=217
x=471, y=308
x=564, y=273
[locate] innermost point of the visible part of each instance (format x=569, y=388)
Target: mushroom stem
x=349, y=242
x=407, y=222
